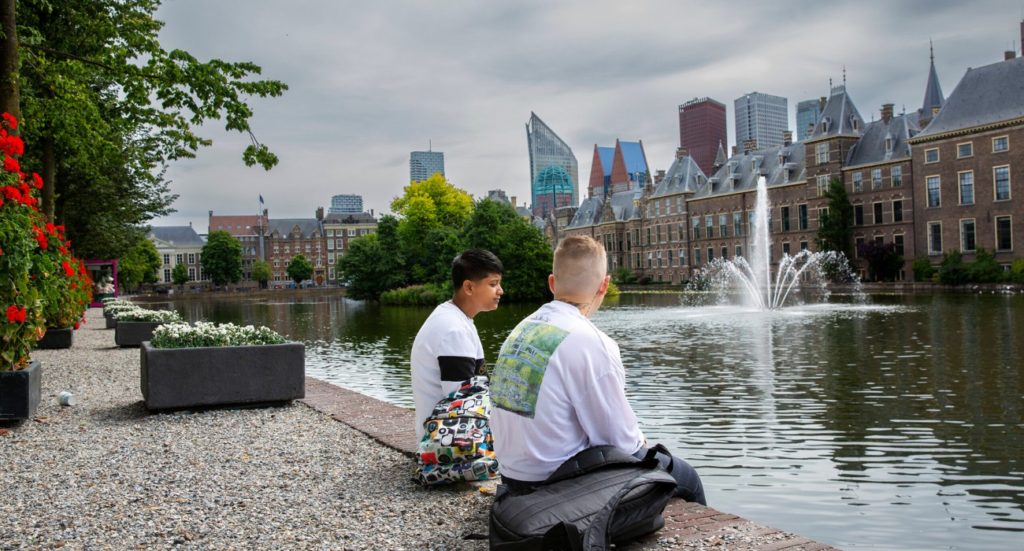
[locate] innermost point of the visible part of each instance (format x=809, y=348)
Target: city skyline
x=347, y=123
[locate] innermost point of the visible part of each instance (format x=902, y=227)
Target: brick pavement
x=687, y=525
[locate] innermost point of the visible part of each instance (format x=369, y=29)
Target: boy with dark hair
x=447, y=349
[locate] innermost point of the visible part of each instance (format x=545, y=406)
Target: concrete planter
x=111, y=322
x=132, y=333
x=20, y=391
x=56, y=338
x=174, y=378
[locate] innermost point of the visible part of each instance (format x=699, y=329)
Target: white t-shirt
x=446, y=351
x=558, y=387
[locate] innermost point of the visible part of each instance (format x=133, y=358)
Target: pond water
x=897, y=423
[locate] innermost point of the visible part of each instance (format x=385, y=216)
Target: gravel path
x=106, y=474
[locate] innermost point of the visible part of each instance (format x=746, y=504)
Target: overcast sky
x=371, y=81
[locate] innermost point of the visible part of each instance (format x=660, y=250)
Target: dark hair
x=474, y=264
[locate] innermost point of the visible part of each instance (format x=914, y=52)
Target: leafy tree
x=299, y=269
x=367, y=267
x=222, y=258
x=426, y=207
x=623, y=276
x=108, y=107
x=883, y=262
x=261, y=272
x=985, y=268
x=179, y=275
x=140, y=265
x=923, y=269
x=835, y=230
x=522, y=248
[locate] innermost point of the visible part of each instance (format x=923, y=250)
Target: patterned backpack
x=457, y=444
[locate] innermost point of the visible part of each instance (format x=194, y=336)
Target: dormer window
x=854, y=123
x=826, y=123
x=888, y=145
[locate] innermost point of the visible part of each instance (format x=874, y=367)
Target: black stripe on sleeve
x=456, y=368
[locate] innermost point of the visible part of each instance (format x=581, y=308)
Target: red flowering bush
x=64, y=284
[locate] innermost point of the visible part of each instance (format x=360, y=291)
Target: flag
x=261, y=198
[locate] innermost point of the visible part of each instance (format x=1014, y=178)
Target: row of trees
x=436, y=221
x=105, y=108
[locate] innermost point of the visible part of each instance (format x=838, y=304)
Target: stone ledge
x=687, y=525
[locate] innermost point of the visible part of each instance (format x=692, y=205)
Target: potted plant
x=113, y=306
x=137, y=324
x=64, y=284
x=22, y=310
x=212, y=365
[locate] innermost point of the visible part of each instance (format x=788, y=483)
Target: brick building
x=250, y=230
x=289, y=237
x=339, y=230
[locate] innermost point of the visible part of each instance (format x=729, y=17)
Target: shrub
x=613, y=290
x=923, y=269
x=623, y=276
x=65, y=286
x=183, y=335
x=953, y=271
x=1017, y=271
x=428, y=294
x=985, y=269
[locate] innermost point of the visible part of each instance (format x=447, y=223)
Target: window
x=1001, y=177
x=966, y=187
x=737, y=224
x=822, y=185
x=191, y=258
x=888, y=144
x=696, y=256
x=967, y=244
x=821, y=153
x=878, y=213
x=682, y=257
x=964, y=150
x=167, y=276
x=934, y=237
x=876, y=178
x=896, y=176
x=191, y=274
x=858, y=215
x=167, y=259
x=931, y=156
x=803, y=245
x=178, y=258
x=696, y=227
x=784, y=214
x=802, y=213
x=897, y=211
x=739, y=250
x=709, y=224
x=858, y=184
x=723, y=226
x=657, y=233
x=934, y=192
x=711, y=254
x=898, y=241
x=785, y=248
x=330, y=244
x=657, y=208
x=351, y=232
x=725, y=252
x=1004, y=229
x=1000, y=144
x=857, y=246
x=648, y=235
x=669, y=257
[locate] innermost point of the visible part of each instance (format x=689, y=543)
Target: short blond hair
x=579, y=266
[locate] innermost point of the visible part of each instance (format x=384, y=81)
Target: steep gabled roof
x=720, y=156
x=871, y=146
x=634, y=157
x=838, y=118
x=933, y=98
x=607, y=157
x=179, y=236
x=684, y=176
x=779, y=165
x=284, y=226
x=984, y=96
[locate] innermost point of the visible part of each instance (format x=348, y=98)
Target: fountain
x=801, y=273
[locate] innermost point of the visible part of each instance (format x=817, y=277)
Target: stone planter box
x=56, y=338
x=132, y=333
x=111, y=322
x=20, y=392
x=175, y=378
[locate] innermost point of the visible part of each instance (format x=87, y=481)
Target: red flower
x=12, y=122
x=11, y=164
x=12, y=145
x=68, y=271
x=15, y=314
x=37, y=180
x=50, y=227
x=76, y=325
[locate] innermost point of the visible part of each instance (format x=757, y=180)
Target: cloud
x=371, y=81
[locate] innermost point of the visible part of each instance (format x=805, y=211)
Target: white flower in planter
x=183, y=335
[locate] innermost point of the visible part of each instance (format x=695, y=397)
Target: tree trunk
x=9, y=97
x=49, y=176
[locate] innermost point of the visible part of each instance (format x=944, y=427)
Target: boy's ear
x=467, y=286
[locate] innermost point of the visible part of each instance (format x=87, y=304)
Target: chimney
x=1009, y=54
x=659, y=176
x=749, y=145
x=682, y=152
x=821, y=103
x=320, y=213
x=886, y=112
x=787, y=137
x=513, y=201
x=371, y=213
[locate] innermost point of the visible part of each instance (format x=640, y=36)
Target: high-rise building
x=760, y=120
x=554, y=173
x=807, y=113
x=702, y=129
x=424, y=164
x=346, y=204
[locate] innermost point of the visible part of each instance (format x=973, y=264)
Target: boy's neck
x=464, y=304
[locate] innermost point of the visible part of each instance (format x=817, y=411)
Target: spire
x=933, y=98
x=719, y=157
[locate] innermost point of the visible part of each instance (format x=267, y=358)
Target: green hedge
x=427, y=294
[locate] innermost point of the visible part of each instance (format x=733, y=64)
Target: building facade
x=424, y=164
x=339, y=231
x=250, y=230
x=554, y=172
x=177, y=245
x=807, y=113
x=760, y=120
x=702, y=130
x=290, y=237
x=346, y=204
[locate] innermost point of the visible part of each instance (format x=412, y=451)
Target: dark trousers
x=688, y=484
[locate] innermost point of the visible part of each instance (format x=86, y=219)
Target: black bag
x=599, y=496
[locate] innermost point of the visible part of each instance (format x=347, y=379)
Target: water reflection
x=894, y=425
